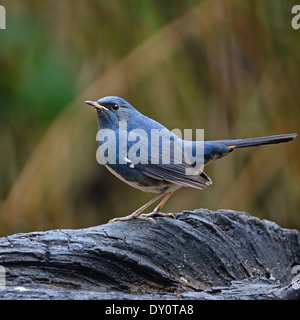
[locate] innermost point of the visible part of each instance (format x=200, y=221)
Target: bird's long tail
x=251, y=142
x=220, y=148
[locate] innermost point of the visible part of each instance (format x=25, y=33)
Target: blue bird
x=143, y=153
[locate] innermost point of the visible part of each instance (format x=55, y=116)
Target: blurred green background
x=230, y=67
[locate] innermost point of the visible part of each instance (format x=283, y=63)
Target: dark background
x=229, y=67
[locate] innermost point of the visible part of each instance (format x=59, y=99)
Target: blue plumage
x=146, y=155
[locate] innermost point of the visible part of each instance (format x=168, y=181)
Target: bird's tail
x=251, y=142
x=219, y=148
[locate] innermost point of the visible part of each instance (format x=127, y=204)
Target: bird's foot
x=132, y=217
x=157, y=214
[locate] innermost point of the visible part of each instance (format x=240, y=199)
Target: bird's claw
x=144, y=216
x=130, y=218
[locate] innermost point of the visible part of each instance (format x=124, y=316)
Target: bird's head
x=111, y=110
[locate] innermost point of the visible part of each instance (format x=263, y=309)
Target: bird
x=128, y=150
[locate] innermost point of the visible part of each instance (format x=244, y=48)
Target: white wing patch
x=131, y=165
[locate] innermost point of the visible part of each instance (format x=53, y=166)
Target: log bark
x=201, y=254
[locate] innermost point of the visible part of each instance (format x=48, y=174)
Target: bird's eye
x=115, y=107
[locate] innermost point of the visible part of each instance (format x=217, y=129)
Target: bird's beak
x=95, y=104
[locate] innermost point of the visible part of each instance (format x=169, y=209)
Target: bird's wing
x=166, y=161
x=176, y=174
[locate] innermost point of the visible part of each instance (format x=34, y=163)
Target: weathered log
x=200, y=255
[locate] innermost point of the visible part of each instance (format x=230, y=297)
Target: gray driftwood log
x=201, y=255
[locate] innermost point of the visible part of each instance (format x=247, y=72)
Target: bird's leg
x=156, y=211
x=137, y=214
